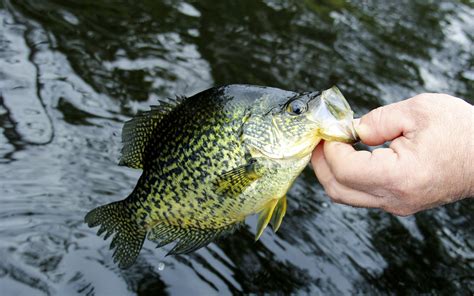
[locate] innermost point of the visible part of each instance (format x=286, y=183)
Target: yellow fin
x=137, y=132
x=278, y=214
x=236, y=180
x=187, y=239
x=128, y=236
x=264, y=217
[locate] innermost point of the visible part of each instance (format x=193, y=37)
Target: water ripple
x=71, y=74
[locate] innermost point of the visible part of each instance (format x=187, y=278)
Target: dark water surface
x=71, y=72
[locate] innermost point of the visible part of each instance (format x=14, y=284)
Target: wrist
x=466, y=167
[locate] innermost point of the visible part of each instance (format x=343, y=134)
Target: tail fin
x=129, y=235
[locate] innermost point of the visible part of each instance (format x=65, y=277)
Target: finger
x=384, y=124
x=317, y=153
x=340, y=193
x=360, y=169
x=321, y=169
x=352, y=197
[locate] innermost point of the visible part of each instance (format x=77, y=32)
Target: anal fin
x=187, y=239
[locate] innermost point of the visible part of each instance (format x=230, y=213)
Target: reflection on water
x=71, y=72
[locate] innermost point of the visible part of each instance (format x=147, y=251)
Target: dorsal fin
x=136, y=133
x=187, y=239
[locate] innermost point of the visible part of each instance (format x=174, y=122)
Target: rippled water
x=71, y=72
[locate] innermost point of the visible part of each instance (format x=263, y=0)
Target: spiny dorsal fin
x=187, y=239
x=136, y=133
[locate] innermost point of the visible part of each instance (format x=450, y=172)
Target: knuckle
x=424, y=98
x=345, y=174
x=377, y=114
x=342, y=175
x=332, y=194
x=417, y=111
x=376, y=118
x=421, y=97
x=332, y=191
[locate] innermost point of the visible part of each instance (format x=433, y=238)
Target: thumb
x=383, y=124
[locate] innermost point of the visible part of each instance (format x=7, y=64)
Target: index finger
x=360, y=169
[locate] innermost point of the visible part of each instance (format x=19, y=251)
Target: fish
x=213, y=159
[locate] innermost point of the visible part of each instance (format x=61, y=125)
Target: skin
x=430, y=160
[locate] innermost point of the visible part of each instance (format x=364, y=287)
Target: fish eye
x=296, y=107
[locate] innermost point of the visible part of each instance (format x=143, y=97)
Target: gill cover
x=277, y=127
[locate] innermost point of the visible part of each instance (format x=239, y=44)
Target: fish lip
x=334, y=95
x=353, y=133
x=349, y=136
x=345, y=124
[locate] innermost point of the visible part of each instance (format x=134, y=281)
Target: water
x=71, y=72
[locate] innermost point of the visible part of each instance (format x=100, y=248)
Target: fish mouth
x=334, y=116
x=344, y=133
x=354, y=134
x=340, y=132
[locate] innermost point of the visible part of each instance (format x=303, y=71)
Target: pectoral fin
x=264, y=217
x=236, y=180
x=278, y=214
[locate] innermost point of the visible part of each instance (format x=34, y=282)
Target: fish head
x=292, y=126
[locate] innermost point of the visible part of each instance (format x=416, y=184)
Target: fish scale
x=211, y=160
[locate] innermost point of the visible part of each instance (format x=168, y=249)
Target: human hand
x=430, y=160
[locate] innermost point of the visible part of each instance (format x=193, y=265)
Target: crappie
x=213, y=159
